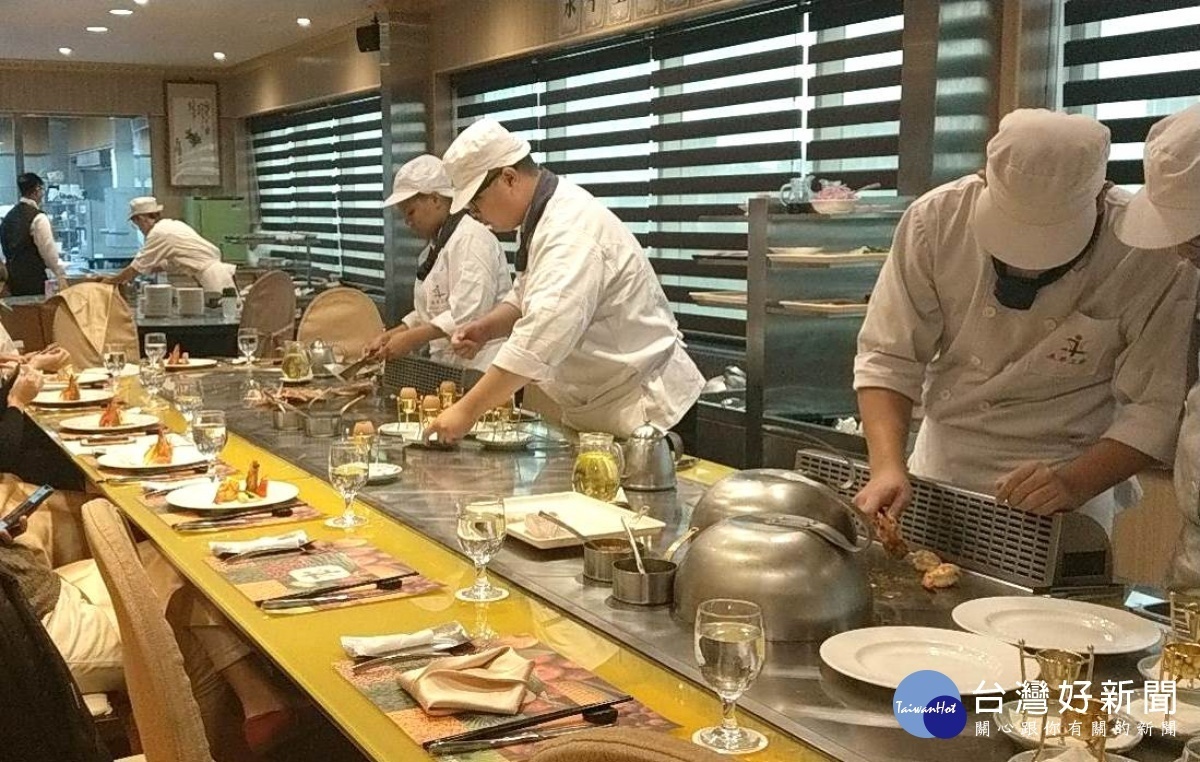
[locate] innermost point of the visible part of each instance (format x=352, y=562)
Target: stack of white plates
x=191, y=301
x=158, y=300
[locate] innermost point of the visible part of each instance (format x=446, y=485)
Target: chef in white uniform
x=1049, y=356
x=586, y=320
x=173, y=246
x=1164, y=216
x=462, y=272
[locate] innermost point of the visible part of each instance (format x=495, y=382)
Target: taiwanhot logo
x=928, y=705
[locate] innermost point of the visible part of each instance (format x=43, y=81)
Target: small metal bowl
x=654, y=588
x=322, y=424
x=599, y=556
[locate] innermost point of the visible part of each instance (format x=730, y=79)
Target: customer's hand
x=7, y=533
x=50, y=359
x=1036, y=488
x=449, y=427
x=468, y=340
x=888, y=491
x=25, y=388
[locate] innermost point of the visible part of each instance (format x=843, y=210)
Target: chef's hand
x=468, y=340
x=1036, y=488
x=376, y=345
x=451, y=426
x=50, y=359
x=399, y=344
x=888, y=491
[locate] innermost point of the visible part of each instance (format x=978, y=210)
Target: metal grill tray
x=425, y=375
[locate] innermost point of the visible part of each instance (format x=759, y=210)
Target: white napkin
x=290, y=541
x=377, y=645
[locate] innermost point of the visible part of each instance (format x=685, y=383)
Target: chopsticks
x=381, y=582
x=525, y=722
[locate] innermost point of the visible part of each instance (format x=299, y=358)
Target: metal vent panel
x=962, y=526
x=421, y=374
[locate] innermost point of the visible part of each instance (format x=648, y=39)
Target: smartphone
x=27, y=507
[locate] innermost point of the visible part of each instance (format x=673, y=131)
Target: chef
x=1165, y=215
x=28, y=241
x=462, y=273
x=172, y=245
x=1049, y=356
x=586, y=320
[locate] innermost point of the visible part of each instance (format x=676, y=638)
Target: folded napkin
x=494, y=681
x=378, y=645
x=290, y=541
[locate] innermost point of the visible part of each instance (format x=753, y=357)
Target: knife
x=233, y=519
x=306, y=597
x=350, y=371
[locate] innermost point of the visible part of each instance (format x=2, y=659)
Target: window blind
x=1128, y=65
x=320, y=171
x=674, y=128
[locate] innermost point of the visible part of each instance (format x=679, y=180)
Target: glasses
x=189, y=397
x=473, y=204
x=730, y=649
x=247, y=340
x=481, y=531
x=210, y=435
x=348, y=474
x=155, y=345
x=114, y=362
x=152, y=375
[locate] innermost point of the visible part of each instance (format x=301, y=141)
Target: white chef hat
x=482, y=147
x=1044, y=171
x=424, y=174
x=144, y=205
x=1166, y=211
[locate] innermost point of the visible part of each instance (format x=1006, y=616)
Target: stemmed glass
x=348, y=475
x=730, y=648
x=247, y=340
x=188, y=397
x=114, y=363
x=481, y=531
x=209, y=434
x=155, y=346
x=152, y=375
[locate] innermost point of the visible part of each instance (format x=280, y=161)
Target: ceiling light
x=219, y=56
x=66, y=51
x=303, y=21
x=97, y=29
x=121, y=12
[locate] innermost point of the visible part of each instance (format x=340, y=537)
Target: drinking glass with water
x=481, y=532
x=348, y=472
x=188, y=397
x=152, y=375
x=730, y=649
x=114, y=362
x=247, y=339
x=210, y=435
x=155, y=346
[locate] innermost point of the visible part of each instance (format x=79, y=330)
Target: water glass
x=114, y=362
x=210, y=435
x=247, y=339
x=481, y=532
x=152, y=374
x=730, y=648
x=155, y=346
x=348, y=475
x=189, y=397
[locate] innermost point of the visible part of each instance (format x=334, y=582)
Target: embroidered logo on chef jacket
x=1072, y=352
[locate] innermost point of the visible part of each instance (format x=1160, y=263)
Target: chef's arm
x=497, y=323
x=495, y=388
x=886, y=417
x=123, y=277
x=1103, y=465
x=402, y=342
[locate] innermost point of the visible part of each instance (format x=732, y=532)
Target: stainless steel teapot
x=650, y=456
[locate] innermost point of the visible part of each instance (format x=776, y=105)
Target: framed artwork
x=193, y=133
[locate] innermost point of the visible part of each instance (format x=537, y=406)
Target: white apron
x=1185, y=563
x=217, y=276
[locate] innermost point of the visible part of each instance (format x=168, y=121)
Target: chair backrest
x=270, y=308
x=167, y=715
x=87, y=317
x=622, y=745
x=46, y=719
x=344, y=318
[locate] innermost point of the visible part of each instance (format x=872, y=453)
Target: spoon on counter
x=637, y=554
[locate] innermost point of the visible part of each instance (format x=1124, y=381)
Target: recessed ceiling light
x=219, y=56
x=97, y=29
x=121, y=12
x=303, y=21
x=66, y=51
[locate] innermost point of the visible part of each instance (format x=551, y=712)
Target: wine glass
x=247, y=339
x=348, y=474
x=188, y=397
x=481, y=531
x=155, y=345
x=114, y=363
x=730, y=648
x=152, y=375
x=209, y=434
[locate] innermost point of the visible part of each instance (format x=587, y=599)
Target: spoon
x=637, y=554
x=560, y=523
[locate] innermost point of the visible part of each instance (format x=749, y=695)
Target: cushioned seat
x=344, y=318
x=270, y=308
x=89, y=316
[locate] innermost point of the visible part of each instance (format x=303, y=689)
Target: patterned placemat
x=566, y=684
x=338, y=562
x=157, y=503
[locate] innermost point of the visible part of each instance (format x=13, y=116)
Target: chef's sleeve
x=560, y=296
x=472, y=263
x=903, y=326
x=1150, y=376
x=153, y=255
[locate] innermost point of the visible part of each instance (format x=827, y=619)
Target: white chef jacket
x=596, y=331
x=1184, y=571
x=469, y=278
x=43, y=239
x=1101, y=353
x=175, y=246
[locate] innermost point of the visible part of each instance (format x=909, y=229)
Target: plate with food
x=233, y=493
x=593, y=518
x=380, y=473
x=159, y=455
x=113, y=419
x=72, y=396
x=1058, y=623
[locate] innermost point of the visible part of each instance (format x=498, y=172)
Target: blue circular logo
x=927, y=705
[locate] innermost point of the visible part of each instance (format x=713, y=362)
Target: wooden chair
x=88, y=316
x=622, y=745
x=167, y=715
x=270, y=308
x=344, y=318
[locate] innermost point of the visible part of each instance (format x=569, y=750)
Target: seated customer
x=68, y=594
x=26, y=450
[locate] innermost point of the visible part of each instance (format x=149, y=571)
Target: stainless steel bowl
x=773, y=490
x=286, y=420
x=650, y=589
x=322, y=424
x=808, y=587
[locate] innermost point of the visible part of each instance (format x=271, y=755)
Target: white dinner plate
x=133, y=457
x=199, y=497
x=193, y=363
x=86, y=397
x=379, y=473
x=90, y=424
x=884, y=656
x=504, y=440
x=1025, y=729
x=1186, y=715
x=404, y=431
x=92, y=375
x=1057, y=623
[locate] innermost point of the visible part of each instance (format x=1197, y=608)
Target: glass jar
x=598, y=466
x=296, y=364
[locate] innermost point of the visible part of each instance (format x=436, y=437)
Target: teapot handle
x=676, y=443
